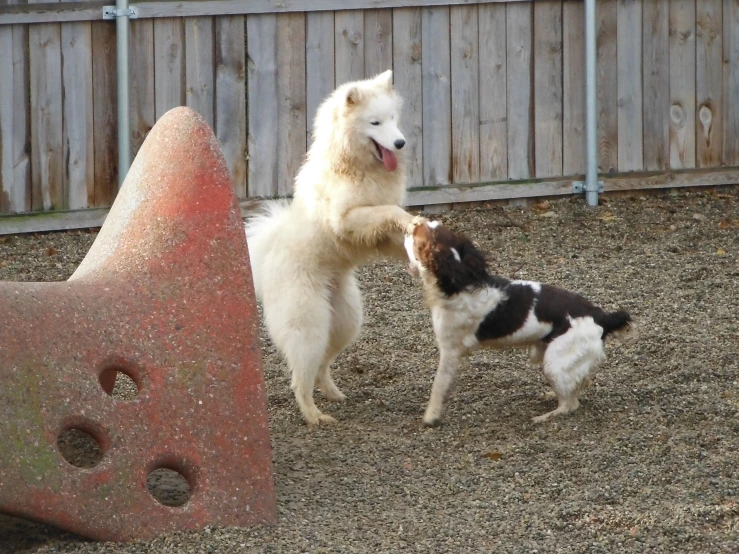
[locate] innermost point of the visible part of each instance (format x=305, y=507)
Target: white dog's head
x=372, y=110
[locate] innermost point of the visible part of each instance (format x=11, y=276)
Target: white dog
x=346, y=209
x=471, y=308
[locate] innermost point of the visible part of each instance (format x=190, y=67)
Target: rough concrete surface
x=648, y=464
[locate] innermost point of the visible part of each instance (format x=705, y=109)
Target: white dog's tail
x=261, y=229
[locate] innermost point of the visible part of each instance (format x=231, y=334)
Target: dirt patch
x=648, y=463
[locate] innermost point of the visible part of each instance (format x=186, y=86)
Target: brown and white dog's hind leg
x=568, y=362
x=449, y=361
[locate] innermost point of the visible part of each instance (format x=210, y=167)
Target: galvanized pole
x=124, y=126
x=591, y=115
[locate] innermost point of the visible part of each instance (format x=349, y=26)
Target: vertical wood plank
x=15, y=160
x=437, y=117
x=408, y=77
x=709, y=83
x=548, y=88
x=630, y=145
x=656, y=82
x=349, y=45
x=519, y=29
x=493, y=105
x=142, y=102
x=291, y=116
x=261, y=33
x=105, y=113
x=230, y=97
x=319, y=62
x=44, y=44
x=607, y=85
x=573, y=131
x=199, y=70
x=465, y=94
x=731, y=82
x=378, y=41
x=78, y=152
x=169, y=64
x=682, y=84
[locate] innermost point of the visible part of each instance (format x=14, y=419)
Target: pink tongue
x=389, y=159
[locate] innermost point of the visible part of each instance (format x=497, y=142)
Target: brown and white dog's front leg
x=449, y=361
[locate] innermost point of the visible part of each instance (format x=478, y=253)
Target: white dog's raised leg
x=449, y=361
x=346, y=321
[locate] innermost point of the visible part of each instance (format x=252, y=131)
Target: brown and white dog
x=472, y=308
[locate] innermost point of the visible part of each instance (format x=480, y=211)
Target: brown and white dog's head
x=448, y=259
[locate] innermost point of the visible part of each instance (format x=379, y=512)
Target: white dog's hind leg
x=346, y=321
x=299, y=324
x=449, y=360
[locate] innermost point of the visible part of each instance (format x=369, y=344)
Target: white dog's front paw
x=415, y=222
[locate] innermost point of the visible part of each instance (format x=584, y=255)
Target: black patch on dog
x=454, y=276
x=509, y=315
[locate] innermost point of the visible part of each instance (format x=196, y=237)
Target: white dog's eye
x=375, y=122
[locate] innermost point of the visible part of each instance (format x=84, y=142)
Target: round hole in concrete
x=168, y=487
x=79, y=448
x=119, y=383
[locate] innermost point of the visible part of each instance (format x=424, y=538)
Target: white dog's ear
x=353, y=96
x=385, y=79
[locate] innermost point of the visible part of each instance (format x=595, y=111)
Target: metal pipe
x=591, y=115
x=124, y=125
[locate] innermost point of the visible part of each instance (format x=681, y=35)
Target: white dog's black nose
x=400, y=143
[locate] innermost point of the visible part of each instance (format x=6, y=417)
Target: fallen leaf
x=548, y=214
x=493, y=455
x=699, y=217
x=720, y=251
x=727, y=394
x=541, y=206
x=608, y=216
x=51, y=251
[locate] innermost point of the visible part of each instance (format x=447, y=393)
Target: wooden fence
x=494, y=91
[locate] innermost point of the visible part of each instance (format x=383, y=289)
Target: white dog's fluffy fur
x=472, y=308
x=346, y=209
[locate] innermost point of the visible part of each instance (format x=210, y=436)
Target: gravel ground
x=648, y=463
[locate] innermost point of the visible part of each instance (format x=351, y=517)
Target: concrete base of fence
x=165, y=297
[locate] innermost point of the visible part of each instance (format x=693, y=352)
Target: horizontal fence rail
x=494, y=93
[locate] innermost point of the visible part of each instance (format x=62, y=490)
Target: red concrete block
x=164, y=296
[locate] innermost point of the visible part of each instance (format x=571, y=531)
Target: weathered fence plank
x=378, y=41
x=573, y=55
x=465, y=94
x=169, y=64
x=291, y=121
x=408, y=78
x=519, y=29
x=15, y=163
x=493, y=101
x=199, y=70
x=105, y=113
x=682, y=84
x=78, y=152
x=45, y=54
x=731, y=82
x=261, y=34
x=319, y=63
x=630, y=114
x=349, y=46
x=709, y=83
x=437, y=116
x=548, y=88
x=607, y=68
x=656, y=72
x=142, y=101
x=230, y=97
